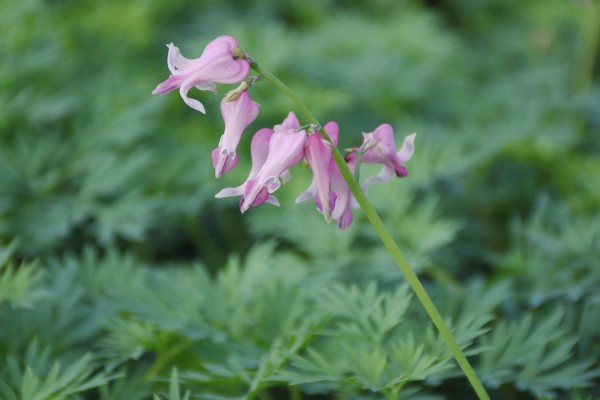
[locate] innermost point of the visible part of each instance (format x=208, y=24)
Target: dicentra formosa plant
x=274, y=151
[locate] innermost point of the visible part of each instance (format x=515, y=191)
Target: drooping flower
x=345, y=201
x=274, y=151
x=237, y=114
x=259, y=149
x=217, y=64
x=318, y=157
x=381, y=149
x=286, y=149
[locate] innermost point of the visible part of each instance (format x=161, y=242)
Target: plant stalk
x=165, y=357
x=386, y=238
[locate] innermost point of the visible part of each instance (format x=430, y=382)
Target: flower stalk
x=385, y=237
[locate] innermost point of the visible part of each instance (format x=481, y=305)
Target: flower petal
x=285, y=150
x=290, y=123
x=382, y=177
x=259, y=150
x=332, y=130
x=381, y=150
x=217, y=64
x=237, y=115
x=408, y=147
x=172, y=83
x=223, y=160
x=318, y=157
x=183, y=91
x=322, y=167
x=230, y=192
x=342, y=212
x=175, y=61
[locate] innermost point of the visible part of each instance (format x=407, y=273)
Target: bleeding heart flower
x=274, y=152
x=318, y=157
x=217, y=64
x=286, y=149
x=237, y=114
x=259, y=149
x=381, y=149
x=345, y=201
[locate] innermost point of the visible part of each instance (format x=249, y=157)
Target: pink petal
x=327, y=196
x=230, y=192
x=255, y=193
x=223, y=160
x=172, y=83
x=175, y=61
x=237, y=115
x=408, y=147
x=382, y=177
x=217, y=64
x=381, y=150
x=342, y=211
x=259, y=149
x=183, y=91
x=285, y=151
x=318, y=157
x=332, y=130
x=384, y=148
x=309, y=193
x=290, y=123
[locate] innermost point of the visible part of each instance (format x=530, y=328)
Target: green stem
x=164, y=357
x=588, y=45
x=295, y=393
x=387, y=240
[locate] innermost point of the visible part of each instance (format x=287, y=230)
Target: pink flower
x=318, y=157
x=274, y=151
x=217, y=64
x=286, y=149
x=259, y=149
x=381, y=149
x=345, y=201
x=237, y=115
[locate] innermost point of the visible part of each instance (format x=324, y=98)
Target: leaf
x=536, y=355
x=21, y=286
x=77, y=377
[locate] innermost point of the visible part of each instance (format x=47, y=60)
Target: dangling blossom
x=345, y=200
x=217, y=64
x=318, y=157
x=286, y=149
x=237, y=114
x=259, y=149
x=272, y=156
x=381, y=149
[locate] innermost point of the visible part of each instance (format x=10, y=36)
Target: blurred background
x=99, y=178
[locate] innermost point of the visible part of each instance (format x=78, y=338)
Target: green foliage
x=174, y=393
x=530, y=355
x=38, y=381
x=556, y=253
x=19, y=287
x=121, y=278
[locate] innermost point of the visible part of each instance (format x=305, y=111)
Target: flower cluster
x=275, y=150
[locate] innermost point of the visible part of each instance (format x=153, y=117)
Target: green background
x=119, y=264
